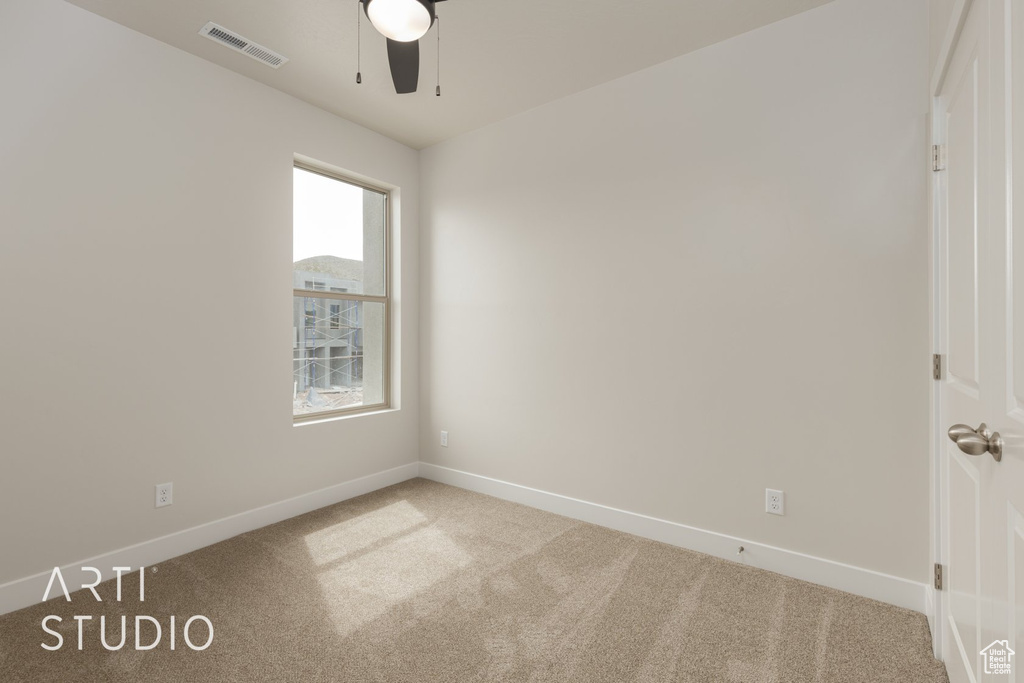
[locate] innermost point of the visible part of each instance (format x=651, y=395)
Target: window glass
x=338, y=361
x=339, y=282
x=338, y=235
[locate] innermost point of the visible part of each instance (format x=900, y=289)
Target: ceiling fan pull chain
x=359, y=42
x=438, y=20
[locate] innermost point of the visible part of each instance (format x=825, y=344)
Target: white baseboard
x=865, y=582
x=930, y=612
x=844, y=577
x=29, y=590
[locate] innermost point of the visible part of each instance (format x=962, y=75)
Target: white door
x=980, y=314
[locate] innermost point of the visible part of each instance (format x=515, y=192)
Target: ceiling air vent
x=240, y=44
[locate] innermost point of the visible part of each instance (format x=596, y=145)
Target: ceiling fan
x=403, y=23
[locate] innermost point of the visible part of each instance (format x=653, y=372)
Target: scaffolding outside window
x=340, y=279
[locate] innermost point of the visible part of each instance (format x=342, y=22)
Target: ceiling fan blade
x=405, y=65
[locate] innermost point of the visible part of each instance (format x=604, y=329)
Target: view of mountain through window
x=339, y=283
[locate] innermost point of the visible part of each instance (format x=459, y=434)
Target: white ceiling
x=499, y=57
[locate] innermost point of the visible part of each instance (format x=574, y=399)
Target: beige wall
x=136, y=184
x=674, y=290
x=663, y=294
x=940, y=13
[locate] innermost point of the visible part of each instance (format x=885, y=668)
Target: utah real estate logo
x=998, y=658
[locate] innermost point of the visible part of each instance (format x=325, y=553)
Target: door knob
x=977, y=441
x=956, y=431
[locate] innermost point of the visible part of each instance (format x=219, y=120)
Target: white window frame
x=346, y=296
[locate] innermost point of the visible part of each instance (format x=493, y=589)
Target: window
x=310, y=313
x=341, y=306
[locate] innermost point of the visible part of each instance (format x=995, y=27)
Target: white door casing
x=979, y=306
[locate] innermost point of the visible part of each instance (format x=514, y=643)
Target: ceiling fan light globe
x=401, y=20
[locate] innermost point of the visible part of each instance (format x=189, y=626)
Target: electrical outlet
x=444, y=439
x=774, y=502
x=164, y=494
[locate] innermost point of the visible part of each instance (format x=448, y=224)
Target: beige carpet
x=424, y=582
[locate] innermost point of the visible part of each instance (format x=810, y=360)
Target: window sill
x=375, y=410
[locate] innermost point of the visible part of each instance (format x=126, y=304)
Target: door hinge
x=938, y=576
x=938, y=157
x=937, y=366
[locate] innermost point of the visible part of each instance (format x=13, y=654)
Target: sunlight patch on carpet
x=348, y=537
x=366, y=587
